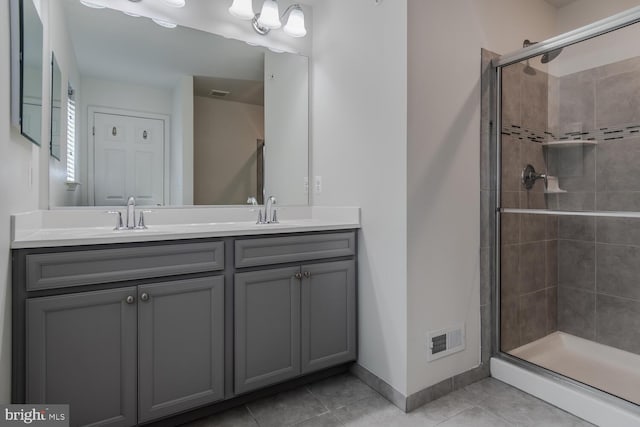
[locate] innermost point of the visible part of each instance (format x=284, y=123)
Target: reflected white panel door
x=128, y=160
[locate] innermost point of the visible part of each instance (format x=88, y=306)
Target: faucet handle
x=274, y=219
x=260, y=221
x=141, y=225
x=119, y=223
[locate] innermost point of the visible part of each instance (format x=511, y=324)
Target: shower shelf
x=555, y=191
x=569, y=143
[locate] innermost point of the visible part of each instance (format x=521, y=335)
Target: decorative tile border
x=603, y=134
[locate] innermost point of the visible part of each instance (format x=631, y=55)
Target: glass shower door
x=569, y=265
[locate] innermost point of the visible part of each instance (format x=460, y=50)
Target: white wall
x=613, y=47
x=402, y=141
x=286, y=126
x=443, y=160
x=225, y=144
x=358, y=134
x=182, y=143
x=18, y=192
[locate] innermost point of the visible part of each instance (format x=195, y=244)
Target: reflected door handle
x=144, y=297
x=298, y=276
x=307, y=274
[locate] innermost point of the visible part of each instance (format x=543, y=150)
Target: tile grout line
x=251, y=414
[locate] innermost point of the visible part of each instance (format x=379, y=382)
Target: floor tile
x=446, y=407
x=372, y=412
x=523, y=409
x=324, y=420
x=286, y=409
x=346, y=401
x=236, y=417
x=340, y=391
x=475, y=417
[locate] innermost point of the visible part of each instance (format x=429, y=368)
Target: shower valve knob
x=529, y=177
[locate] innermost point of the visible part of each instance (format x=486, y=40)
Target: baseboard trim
x=422, y=397
x=379, y=385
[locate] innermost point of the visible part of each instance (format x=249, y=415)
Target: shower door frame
x=598, y=28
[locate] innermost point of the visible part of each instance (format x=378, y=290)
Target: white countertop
x=89, y=226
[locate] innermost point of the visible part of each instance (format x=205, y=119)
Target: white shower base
x=606, y=368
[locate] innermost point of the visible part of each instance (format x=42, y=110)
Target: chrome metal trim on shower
x=495, y=286
x=612, y=23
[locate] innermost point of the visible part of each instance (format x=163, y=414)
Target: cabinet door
x=328, y=314
x=180, y=345
x=267, y=327
x=81, y=351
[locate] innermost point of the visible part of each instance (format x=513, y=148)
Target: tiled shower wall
x=528, y=242
x=599, y=258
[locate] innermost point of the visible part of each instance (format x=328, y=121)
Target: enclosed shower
x=565, y=161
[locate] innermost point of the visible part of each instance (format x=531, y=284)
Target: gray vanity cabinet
x=292, y=321
x=157, y=347
x=82, y=350
x=180, y=346
x=267, y=327
x=328, y=314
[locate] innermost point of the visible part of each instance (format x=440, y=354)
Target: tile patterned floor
x=346, y=401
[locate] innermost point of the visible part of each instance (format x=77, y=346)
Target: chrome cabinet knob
x=307, y=274
x=298, y=276
x=144, y=296
x=130, y=299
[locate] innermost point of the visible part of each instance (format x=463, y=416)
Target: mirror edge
x=54, y=67
x=16, y=62
x=22, y=61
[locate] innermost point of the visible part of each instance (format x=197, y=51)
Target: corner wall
x=358, y=146
x=443, y=167
x=18, y=192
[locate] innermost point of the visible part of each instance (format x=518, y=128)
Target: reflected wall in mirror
x=27, y=68
x=56, y=109
x=180, y=116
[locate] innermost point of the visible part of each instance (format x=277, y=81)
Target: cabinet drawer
x=64, y=269
x=278, y=250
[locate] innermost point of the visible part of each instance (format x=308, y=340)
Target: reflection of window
x=71, y=135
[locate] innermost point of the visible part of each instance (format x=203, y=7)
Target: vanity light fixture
x=242, y=9
x=270, y=18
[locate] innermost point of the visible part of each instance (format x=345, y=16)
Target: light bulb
x=175, y=3
x=295, y=24
x=242, y=9
x=270, y=16
x=163, y=23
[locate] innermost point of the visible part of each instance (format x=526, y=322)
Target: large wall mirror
x=27, y=68
x=177, y=116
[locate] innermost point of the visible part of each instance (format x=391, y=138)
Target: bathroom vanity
x=138, y=331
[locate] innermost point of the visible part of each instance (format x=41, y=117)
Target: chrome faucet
x=131, y=217
x=270, y=215
x=131, y=213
